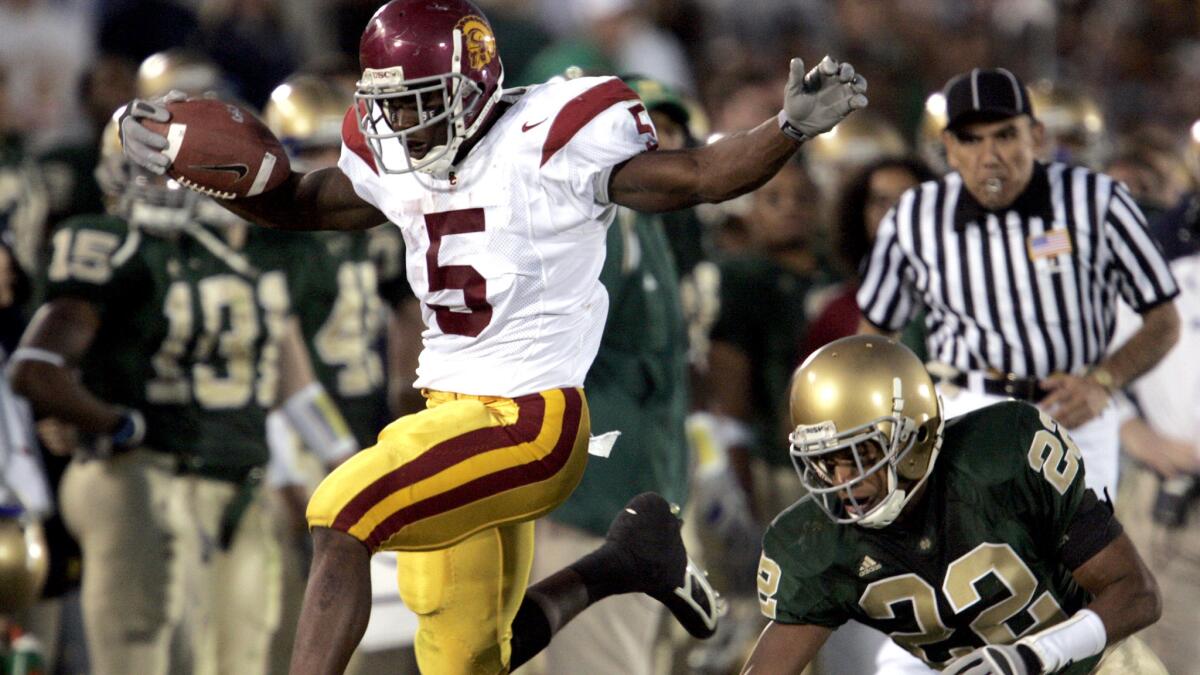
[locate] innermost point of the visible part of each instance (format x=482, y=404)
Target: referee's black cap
x=985, y=95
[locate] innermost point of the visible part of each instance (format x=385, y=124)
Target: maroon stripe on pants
x=493, y=483
x=531, y=410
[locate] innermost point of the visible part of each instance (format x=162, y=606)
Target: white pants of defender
x=616, y=635
x=854, y=648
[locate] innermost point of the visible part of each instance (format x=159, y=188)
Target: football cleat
x=645, y=546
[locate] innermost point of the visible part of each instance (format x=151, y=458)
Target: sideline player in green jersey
x=343, y=320
x=183, y=338
x=972, y=542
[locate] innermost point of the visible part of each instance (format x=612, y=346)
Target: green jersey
x=638, y=382
x=762, y=313
x=341, y=317
x=183, y=337
x=978, y=559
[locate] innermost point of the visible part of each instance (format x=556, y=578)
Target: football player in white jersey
x=503, y=199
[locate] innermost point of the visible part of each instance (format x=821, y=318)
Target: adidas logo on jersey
x=868, y=566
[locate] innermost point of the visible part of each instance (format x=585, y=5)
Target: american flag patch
x=1048, y=244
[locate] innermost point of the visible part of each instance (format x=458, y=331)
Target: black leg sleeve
x=530, y=633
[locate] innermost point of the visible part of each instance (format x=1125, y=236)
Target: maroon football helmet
x=437, y=58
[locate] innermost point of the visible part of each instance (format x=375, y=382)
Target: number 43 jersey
x=505, y=253
x=983, y=558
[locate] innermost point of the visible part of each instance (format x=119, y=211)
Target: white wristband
x=1075, y=639
x=315, y=417
x=37, y=354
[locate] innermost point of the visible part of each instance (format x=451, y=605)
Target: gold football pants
x=453, y=488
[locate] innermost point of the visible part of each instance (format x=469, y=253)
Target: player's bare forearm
x=1126, y=596
x=64, y=327
x=677, y=179
x=318, y=200
x=1157, y=335
x=785, y=649
x=295, y=365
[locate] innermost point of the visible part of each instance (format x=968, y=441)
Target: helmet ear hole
x=922, y=433
x=912, y=467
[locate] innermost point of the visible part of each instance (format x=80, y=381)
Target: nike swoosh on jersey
x=240, y=169
x=527, y=126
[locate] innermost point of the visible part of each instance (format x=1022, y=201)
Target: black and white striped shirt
x=1029, y=290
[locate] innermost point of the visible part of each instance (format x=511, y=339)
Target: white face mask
x=153, y=205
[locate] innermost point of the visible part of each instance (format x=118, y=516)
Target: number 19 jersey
x=505, y=253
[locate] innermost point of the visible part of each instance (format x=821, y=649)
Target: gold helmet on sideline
x=1075, y=129
x=929, y=135
x=178, y=69
x=854, y=143
x=24, y=561
x=305, y=113
x=1191, y=155
x=859, y=391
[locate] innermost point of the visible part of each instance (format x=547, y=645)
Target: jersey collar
x=1034, y=200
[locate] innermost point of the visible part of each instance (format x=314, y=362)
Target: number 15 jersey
x=505, y=253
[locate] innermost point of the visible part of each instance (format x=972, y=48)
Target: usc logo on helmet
x=481, y=43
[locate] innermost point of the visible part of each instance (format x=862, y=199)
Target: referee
x=1019, y=266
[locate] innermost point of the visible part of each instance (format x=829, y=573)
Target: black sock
x=595, y=571
x=530, y=633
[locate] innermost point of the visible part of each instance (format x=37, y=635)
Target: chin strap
x=889, y=509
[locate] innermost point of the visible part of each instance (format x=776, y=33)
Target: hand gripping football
x=221, y=149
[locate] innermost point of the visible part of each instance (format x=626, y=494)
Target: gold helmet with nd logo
x=868, y=428
x=305, y=113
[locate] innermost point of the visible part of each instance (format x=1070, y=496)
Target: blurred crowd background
x=1117, y=84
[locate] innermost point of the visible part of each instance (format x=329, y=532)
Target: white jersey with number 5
x=505, y=258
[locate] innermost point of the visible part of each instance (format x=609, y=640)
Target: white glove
x=816, y=102
x=142, y=146
x=1015, y=659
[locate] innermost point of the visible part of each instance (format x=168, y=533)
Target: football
x=221, y=149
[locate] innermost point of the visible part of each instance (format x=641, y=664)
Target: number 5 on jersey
x=474, y=314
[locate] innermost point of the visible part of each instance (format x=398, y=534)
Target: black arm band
x=1093, y=527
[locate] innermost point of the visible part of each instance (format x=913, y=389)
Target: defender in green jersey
x=973, y=543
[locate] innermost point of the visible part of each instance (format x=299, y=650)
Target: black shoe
x=646, y=546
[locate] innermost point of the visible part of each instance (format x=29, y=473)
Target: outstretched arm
x=672, y=180
x=318, y=200
x=675, y=179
